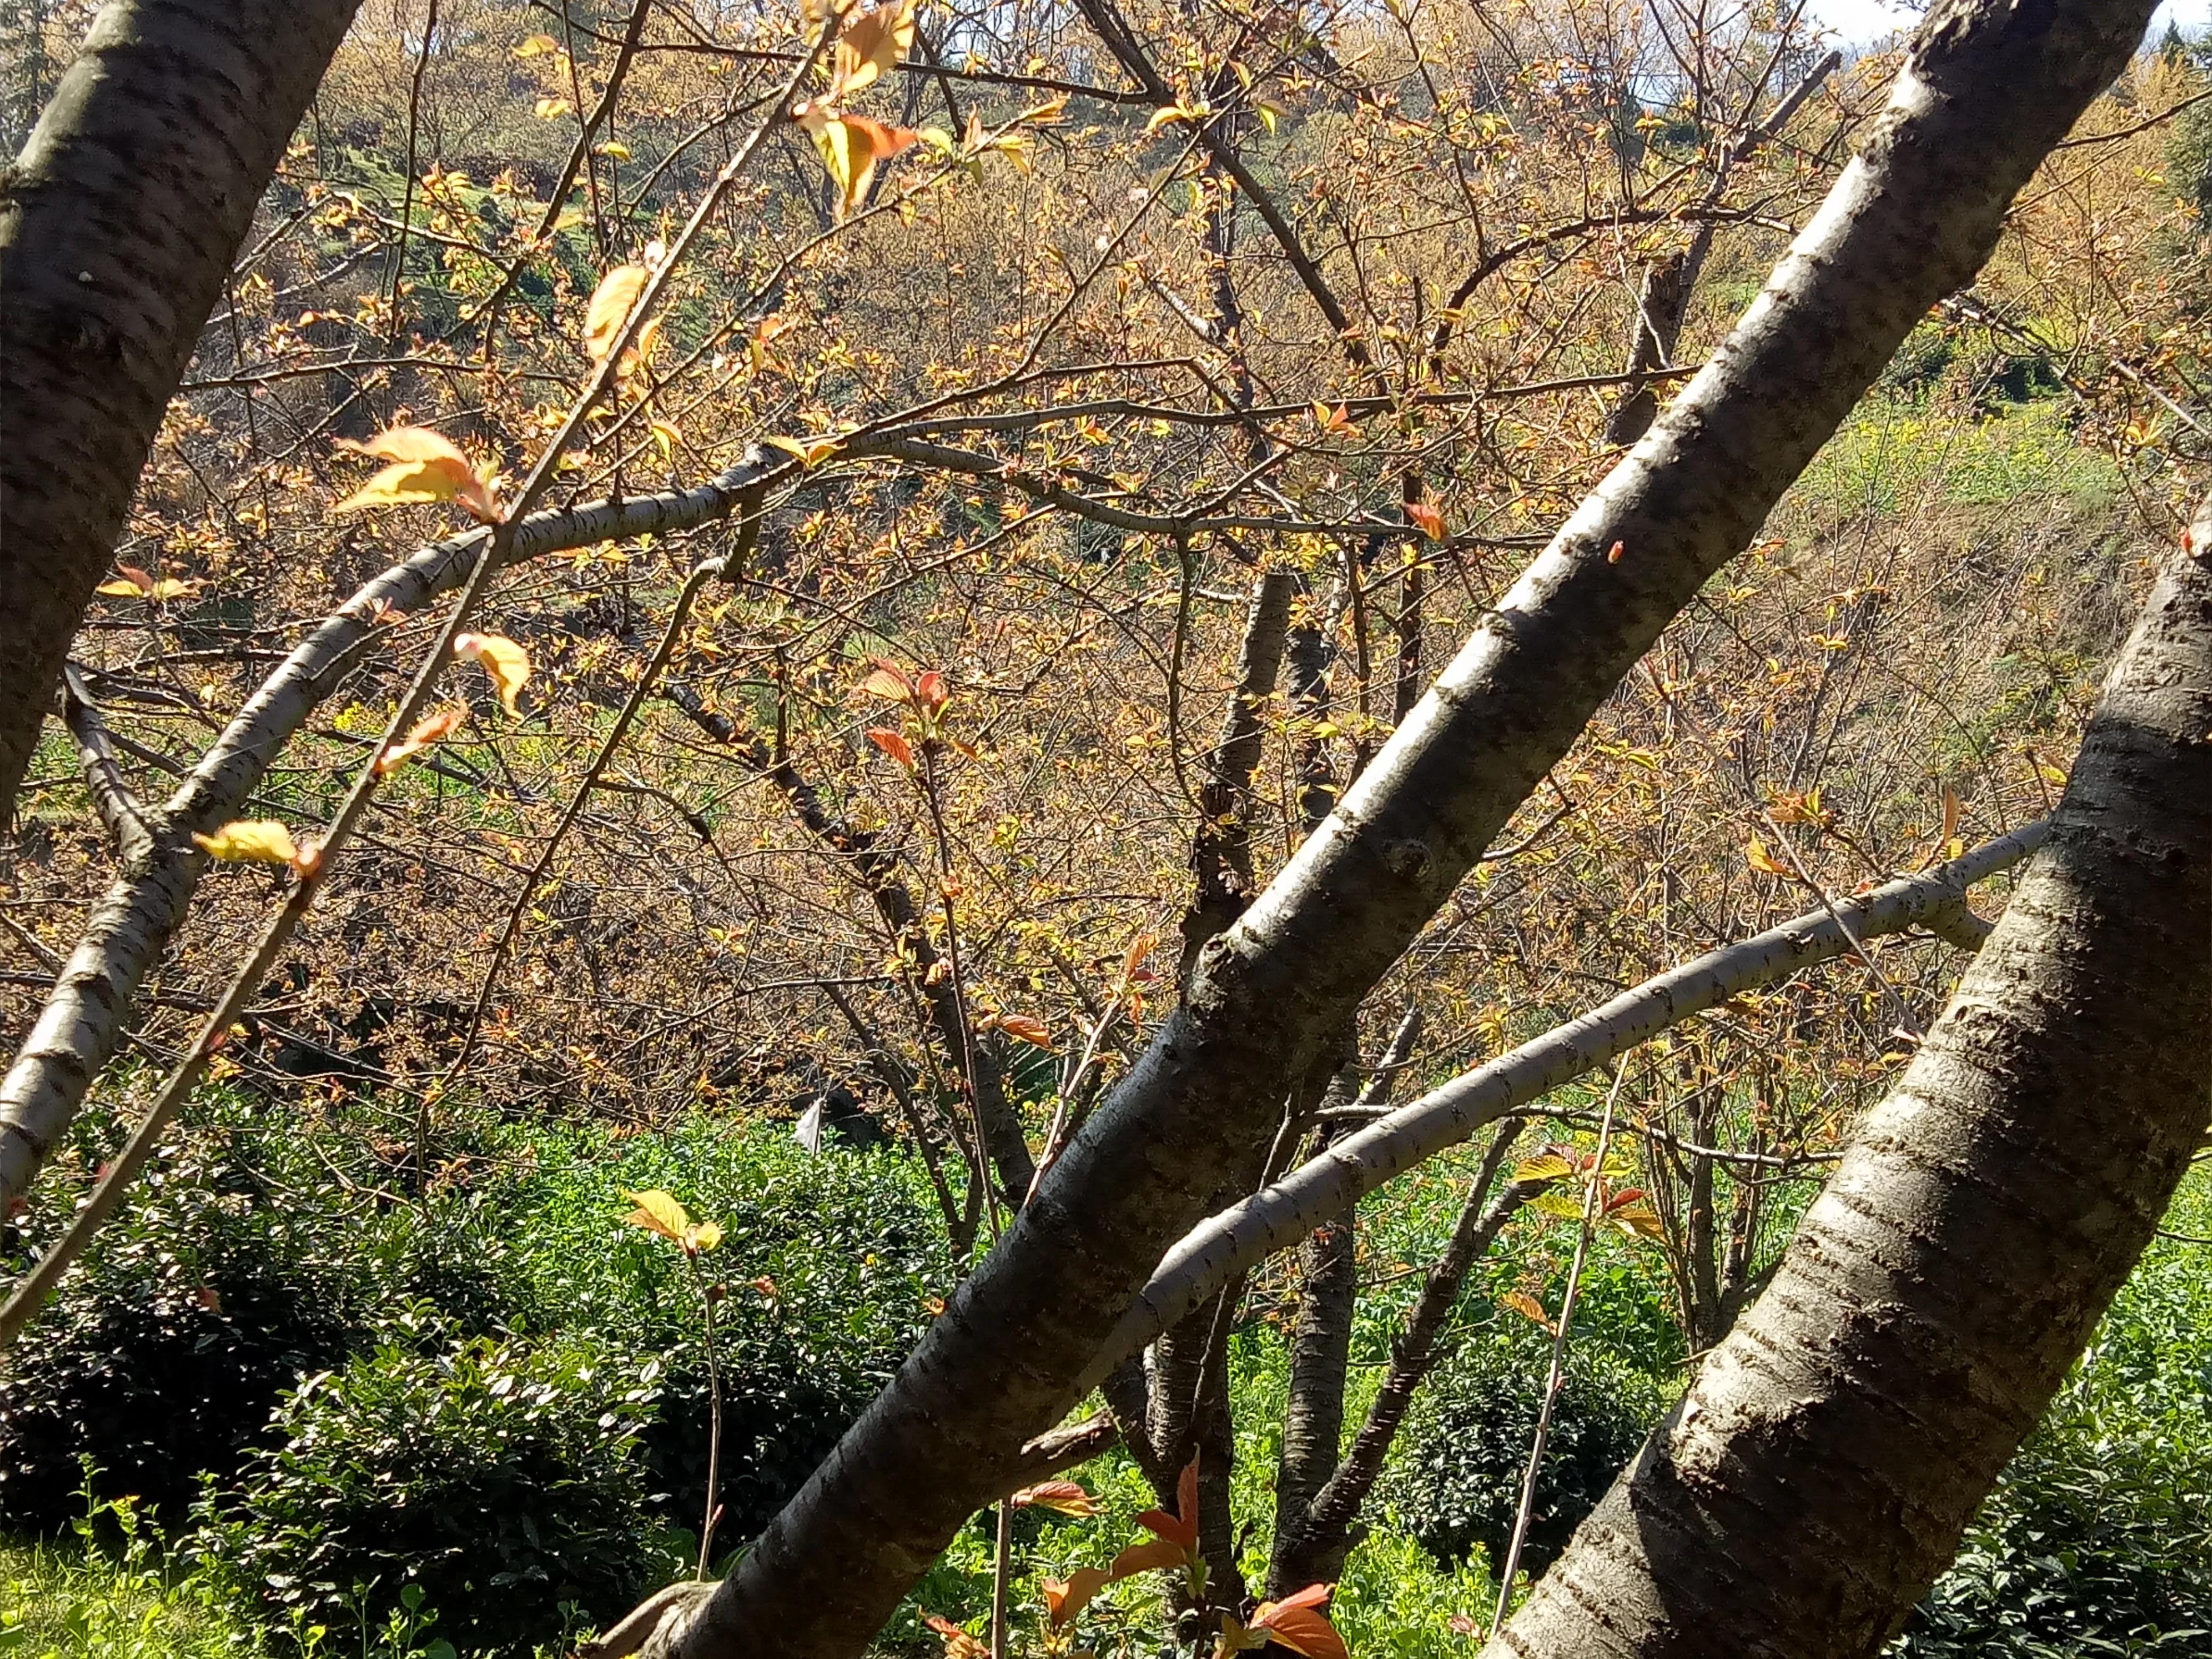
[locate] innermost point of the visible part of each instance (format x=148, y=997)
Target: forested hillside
x=1269, y=760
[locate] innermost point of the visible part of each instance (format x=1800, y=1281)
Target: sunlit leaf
x=1425, y=518
x=931, y=693
x=431, y=729
x=1527, y=1306
x=812, y=451
x=1302, y=1630
x=872, y=43
x=426, y=466
x=886, y=680
x=1152, y=1554
x=536, y=45
x=612, y=303
x=261, y=840
x=1023, y=1029
x=552, y=109
x=702, y=1235
x=508, y=663
x=1062, y=1497
x=958, y=1643
x=1065, y=1598
x=1546, y=1166
x=1756, y=855
x=659, y=1212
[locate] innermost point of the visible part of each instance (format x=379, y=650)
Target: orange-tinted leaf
x=1062, y=1497
x=507, y=663
x=612, y=302
x=1022, y=1027
x=1527, y=1306
x=931, y=693
x=1303, y=1630
x=1152, y=1554
x=812, y=451
x=850, y=147
x=958, y=1643
x=426, y=466
x=1613, y=554
x=887, y=681
x=892, y=745
x=1065, y=1598
x=1425, y=518
x=1331, y=419
x=434, y=728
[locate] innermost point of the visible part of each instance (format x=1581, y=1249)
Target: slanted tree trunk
x=118, y=224
x=1819, y=1472
x=1989, y=88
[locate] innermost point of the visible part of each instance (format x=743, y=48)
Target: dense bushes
x=506, y=1419
x=501, y=1480
x=1457, y=1482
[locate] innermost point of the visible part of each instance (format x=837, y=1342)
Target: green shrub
x=225, y=1281
x=1456, y=1481
x=499, y=1483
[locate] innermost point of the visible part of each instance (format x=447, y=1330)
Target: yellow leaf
x=262, y=841
x=507, y=663
x=432, y=729
x=658, y=1212
x=850, y=147
x=536, y=45
x=1269, y=115
x=552, y=109
x=612, y=302
x=1547, y=1166
x=812, y=451
x=426, y=466
x=702, y=1235
x=121, y=590
x=666, y=436
x=1759, y=858
x=872, y=43
x=888, y=682
x=615, y=148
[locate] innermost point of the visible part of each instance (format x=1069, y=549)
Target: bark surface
x=1988, y=89
x=1819, y=1472
x=118, y=224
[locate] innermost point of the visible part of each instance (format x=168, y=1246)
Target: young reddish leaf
x=892, y=745
x=1331, y=419
x=931, y=693
x=958, y=1643
x=1426, y=518
x=507, y=663
x=659, y=1212
x=1065, y=1598
x=1150, y=1555
x=612, y=303
x=1301, y=1627
x=851, y=146
x=1063, y=1496
x=1022, y=1029
x=433, y=729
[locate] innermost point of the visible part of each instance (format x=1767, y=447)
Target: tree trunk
x=1986, y=92
x=118, y=224
x=1819, y=1472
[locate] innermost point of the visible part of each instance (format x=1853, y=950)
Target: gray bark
x=1988, y=89
x=1819, y=1472
x=118, y=224
x=1231, y=1243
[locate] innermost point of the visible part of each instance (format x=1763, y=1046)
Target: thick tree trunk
x=118, y=224
x=1988, y=89
x=1817, y=1474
